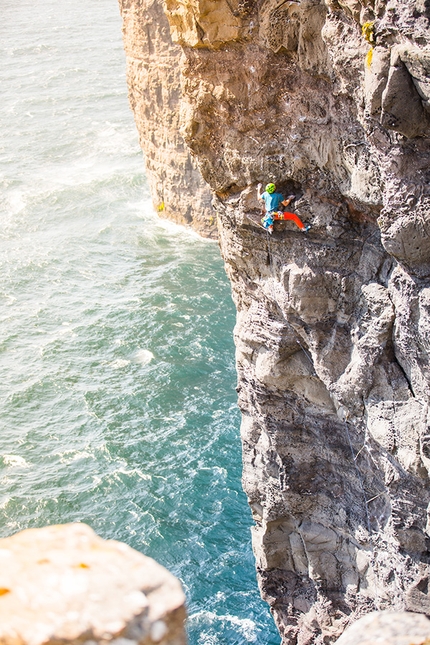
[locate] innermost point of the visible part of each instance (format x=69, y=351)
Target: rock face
x=63, y=584
x=153, y=74
x=330, y=100
x=388, y=628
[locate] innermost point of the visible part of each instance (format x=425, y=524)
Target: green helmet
x=270, y=188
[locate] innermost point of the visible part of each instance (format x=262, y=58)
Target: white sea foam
x=17, y=202
x=218, y=470
x=246, y=626
x=133, y=471
x=119, y=363
x=14, y=460
x=143, y=356
x=68, y=456
x=169, y=228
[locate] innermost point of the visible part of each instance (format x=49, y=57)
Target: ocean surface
x=117, y=372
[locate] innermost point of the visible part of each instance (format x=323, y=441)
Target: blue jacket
x=272, y=200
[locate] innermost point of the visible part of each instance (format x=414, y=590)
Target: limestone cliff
x=330, y=100
x=153, y=74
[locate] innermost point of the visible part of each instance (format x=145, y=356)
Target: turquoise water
x=116, y=373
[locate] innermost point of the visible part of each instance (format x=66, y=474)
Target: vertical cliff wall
x=153, y=75
x=330, y=100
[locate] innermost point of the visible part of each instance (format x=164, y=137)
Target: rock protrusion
x=65, y=584
x=388, y=628
x=402, y=108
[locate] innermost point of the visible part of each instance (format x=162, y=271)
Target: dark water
x=117, y=374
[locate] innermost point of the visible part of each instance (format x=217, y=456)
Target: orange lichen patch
x=43, y=561
x=4, y=591
x=82, y=565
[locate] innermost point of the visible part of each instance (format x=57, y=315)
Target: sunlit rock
x=65, y=584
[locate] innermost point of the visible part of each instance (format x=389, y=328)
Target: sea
x=117, y=377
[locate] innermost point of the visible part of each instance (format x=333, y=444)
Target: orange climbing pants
x=278, y=215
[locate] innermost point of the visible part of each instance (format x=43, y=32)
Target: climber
x=272, y=201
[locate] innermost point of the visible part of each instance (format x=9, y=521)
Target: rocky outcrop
x=153, y=74
x=388, y=628
x=330, y=100
x=63, y=584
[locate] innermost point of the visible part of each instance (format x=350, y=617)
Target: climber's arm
x=259, y=193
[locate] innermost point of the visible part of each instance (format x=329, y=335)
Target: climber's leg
x=292, y=217
x=267, y=221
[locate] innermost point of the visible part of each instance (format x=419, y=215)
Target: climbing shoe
x=307, y=228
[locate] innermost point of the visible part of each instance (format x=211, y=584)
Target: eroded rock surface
x=388, y=628
x=330, y=100
x=64, y=584
x=153, y=74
